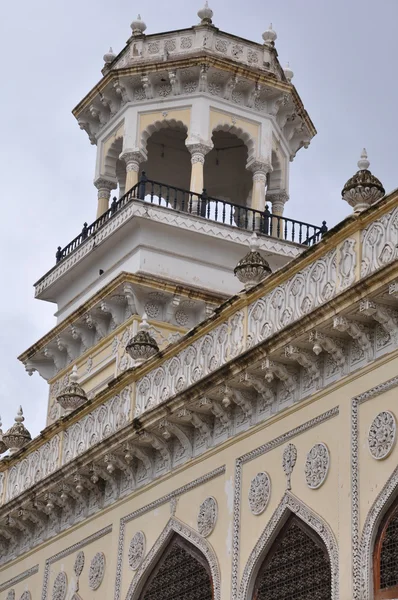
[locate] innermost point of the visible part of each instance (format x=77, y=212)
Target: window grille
x=385, y=559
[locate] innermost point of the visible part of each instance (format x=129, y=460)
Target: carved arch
x=172, y=527
x=157, y=126
x=379, y=508
x=287, y=506
x=275, y=182
x=246, y=138
x=112, y=163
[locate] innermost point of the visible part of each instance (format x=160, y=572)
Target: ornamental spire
x=363, y=189
x=142, y=346
x=252, y=268
x=72, y=395
x=17, y=436
x=138, y=26
x=269, y=36
x=205, y=14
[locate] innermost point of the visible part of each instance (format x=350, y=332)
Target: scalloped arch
x=158, y=126
x=189, y=534
x=289, y=504
x=246, y=138
x=112, y=156
x=386, y=497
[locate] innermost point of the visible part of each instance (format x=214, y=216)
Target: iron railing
x=206, y=207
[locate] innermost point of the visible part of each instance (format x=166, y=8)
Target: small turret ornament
x=363, y=189
x=72, y=395
x=142, y=346
x=252, y=268
x=17, y=436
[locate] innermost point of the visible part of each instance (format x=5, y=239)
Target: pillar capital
x=104, y=186
x=278, y=199
x=259, y=167
x=198, y=151
x=133, y=158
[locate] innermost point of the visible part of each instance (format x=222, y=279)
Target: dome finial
x=138, y=26
x=269, y=36
x=17, y=436
x=72, y=395
x=363, y=162
x=289, y=74
x=252, y=268
x=109, y=57
x=205, y=14
x=142, y=346
x=363, y=189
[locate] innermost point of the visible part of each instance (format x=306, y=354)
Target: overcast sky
x=344, y=56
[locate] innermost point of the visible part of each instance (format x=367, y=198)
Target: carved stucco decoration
x=136, y=550
x=380, y=243
x=60, y=586
x=382, y=435
x=290, y=504
x=96, y=426
x=26, y=595
x=317, y=465
x=288, y=463
x=33, y=468
x=259, y=493
x=97, y=571
x=151, y=559
x=207, y=516
x=79, y=563
x=11, y=595
x=347, y=263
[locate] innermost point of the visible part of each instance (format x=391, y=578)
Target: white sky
x=344, y=56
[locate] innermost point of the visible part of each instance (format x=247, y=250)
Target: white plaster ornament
x=207, y=516
x=382, y=435
x=259, y=493
x=136, y=550
x=363, y=189
x=60, y=586
x=17, y=436
x=317, y=466
x=72, y=396
x=288, y=463
x=142, y=346
x=252, y=268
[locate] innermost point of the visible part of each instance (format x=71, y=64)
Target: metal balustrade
x=206, y=207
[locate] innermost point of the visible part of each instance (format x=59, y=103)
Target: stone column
x=278, y=198
x=260, y=169
x=132, y=158
x=104, y=186
x=198, y=152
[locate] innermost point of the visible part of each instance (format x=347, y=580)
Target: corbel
x=329, y=345
x=381, y=315
x=356, y=331
x=305, y=360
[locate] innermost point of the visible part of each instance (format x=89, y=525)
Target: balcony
x=204, y=207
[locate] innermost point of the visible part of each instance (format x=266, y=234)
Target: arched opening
x=169, y=163
x=116, y=168
x=181, y=573
x=225, y=173
x=296, y=566
x=275, y=180
x=385, y=556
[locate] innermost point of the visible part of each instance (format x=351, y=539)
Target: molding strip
x=144, y=509
x=19, y=578
x=249, y=456
x=91, y=538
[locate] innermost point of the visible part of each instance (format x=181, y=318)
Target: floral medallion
x=382, y=434
x=136, y=550
x=259, y=493
x=97, y=571
x=79, y=563
x=60, y=586
x=207, y=516
x=317, y=466
x=288, y=462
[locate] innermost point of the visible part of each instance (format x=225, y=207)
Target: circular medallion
x=259, y=493
x=136, y=550
x=79, y=563
x=60, y=586
x=317, y=466
x=97, y=571
x=382, y=433
x=207, y=516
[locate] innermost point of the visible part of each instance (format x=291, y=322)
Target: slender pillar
x=260, y=170
x=198, y=152
x=104, y=186
x=133, y=159
x=278, y=199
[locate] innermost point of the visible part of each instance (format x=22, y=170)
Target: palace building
x=223, y=379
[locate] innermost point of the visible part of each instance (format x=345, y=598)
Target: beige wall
x=332, y=501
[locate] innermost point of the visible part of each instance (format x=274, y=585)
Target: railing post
x=113, y=205
x=58, y=254
x=267, y=217
x=84, y=231
x=142, y=186
x=323, y=229
x=203, y=199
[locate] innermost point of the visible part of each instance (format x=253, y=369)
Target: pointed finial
x=19, y=418
x=144, y=326
x=363, y=162
x=74, y=376
x=205, y=14
x=138, y=26
x=109, y=57
x=253, y=242
x=269, y=36
x=288, y=72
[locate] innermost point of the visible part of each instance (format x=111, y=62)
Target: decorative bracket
x=324, y=342
x=382, y=315
x=304, y=358
x=168, y=428
x=197, y=421
x=239, y=399
x=259, y=385
x=272, y=368
x=356, y=331
x=115, y=310
x=217, y=409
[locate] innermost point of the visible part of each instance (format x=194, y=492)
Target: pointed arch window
x=297, y=567
x=182, y=573
x=385, y=557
